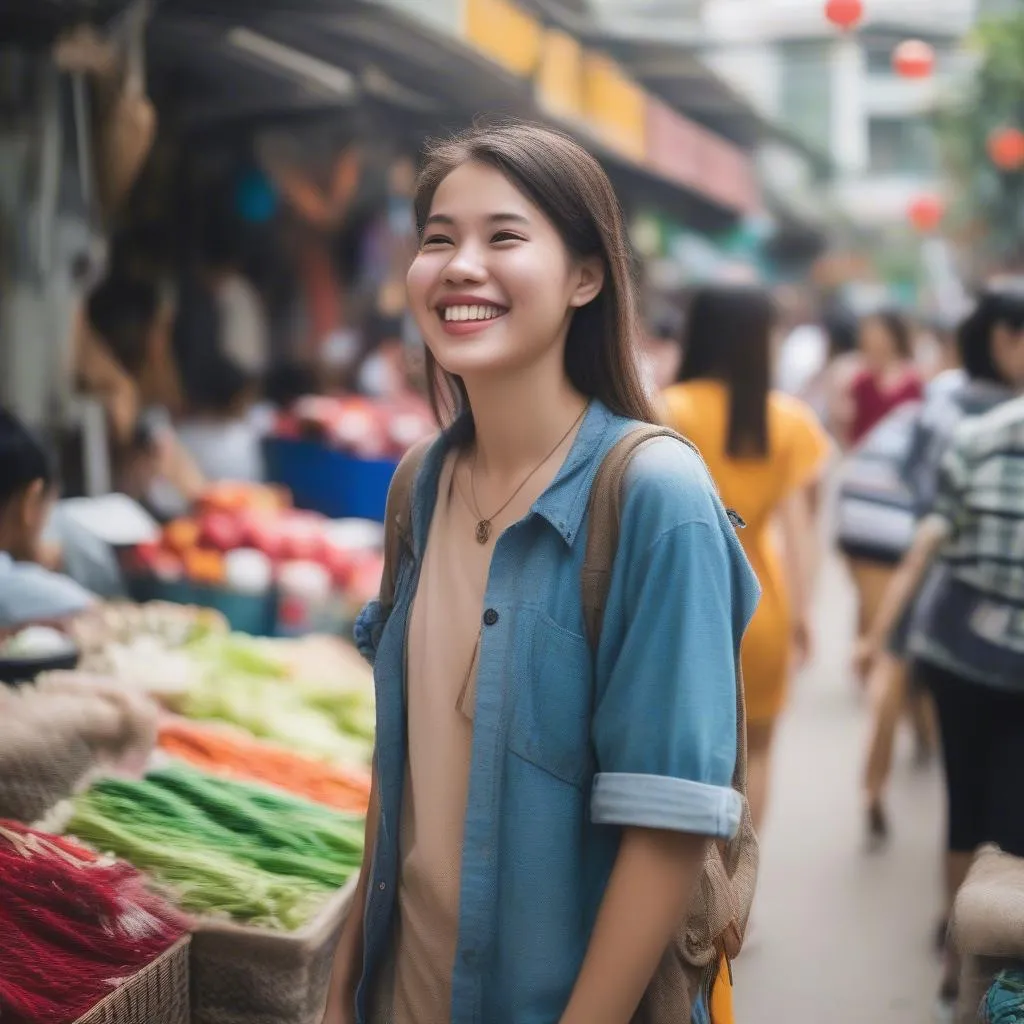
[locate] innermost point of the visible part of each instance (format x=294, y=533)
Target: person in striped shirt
x=966, y=635
x=911, y=465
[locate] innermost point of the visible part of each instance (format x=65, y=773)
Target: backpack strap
x=605, y=519
x=398, y=518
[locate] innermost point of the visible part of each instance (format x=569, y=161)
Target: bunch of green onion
x=220, y=847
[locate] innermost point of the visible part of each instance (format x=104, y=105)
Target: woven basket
x=158, y=994
x=244, y=975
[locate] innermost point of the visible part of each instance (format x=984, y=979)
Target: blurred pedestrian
x=136, y=324
x=887, y=377
x=766, y=452
x=967, y=635
x=886, y=380
x=988, y=375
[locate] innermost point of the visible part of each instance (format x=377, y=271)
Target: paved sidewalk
x=841, y=936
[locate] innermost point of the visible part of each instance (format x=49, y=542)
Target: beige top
x=444, y=630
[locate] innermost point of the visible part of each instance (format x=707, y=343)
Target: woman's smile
x=468, y=314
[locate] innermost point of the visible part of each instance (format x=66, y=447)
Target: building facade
x=839, y=92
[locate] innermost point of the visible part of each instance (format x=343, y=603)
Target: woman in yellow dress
x=766, y=451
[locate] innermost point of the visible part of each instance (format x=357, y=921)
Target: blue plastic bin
x=326, y=481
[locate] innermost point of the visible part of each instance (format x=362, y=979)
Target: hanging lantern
x=926, y=213
x=914, y=59
x=847, y=14
x=1006, y=148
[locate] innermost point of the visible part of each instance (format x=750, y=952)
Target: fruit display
x=365, y=428
x=249, y=540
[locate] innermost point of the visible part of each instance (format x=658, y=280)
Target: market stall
x=216, y=784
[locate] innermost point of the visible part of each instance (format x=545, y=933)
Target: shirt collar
x=564, y=502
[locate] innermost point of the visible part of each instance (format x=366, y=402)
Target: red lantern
x=914, y=59
x=1006, y=148
x=926, y=213
x=846, y=14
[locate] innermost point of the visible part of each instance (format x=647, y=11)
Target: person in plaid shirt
x=967, y=633
x=890, y=485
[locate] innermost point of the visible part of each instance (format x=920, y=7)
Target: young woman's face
x=876, y=343
x=493, y=285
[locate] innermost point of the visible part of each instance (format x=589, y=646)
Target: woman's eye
x=436, y=240
x=507, y=236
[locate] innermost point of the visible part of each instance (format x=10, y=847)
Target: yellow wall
x=560, y=75
x=506, y=34
x=615, y=105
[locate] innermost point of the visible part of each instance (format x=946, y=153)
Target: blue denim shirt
x=569, y=748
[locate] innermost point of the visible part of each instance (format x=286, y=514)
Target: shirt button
x=382, y=886
x=490, y=617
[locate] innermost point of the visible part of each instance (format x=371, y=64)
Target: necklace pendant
x=483, y=531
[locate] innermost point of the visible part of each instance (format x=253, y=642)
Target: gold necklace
x=484, y=523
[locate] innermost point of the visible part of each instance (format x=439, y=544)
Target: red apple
x=340, y=563
x=263, y=532
x=221, y=530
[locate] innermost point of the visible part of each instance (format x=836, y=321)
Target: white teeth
x=459, y=313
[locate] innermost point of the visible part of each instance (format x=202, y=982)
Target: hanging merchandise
x=73, y=927
x=1006, y=148
x=224, y=848
x=847, y=14
x=914, y=59
x=926, y=213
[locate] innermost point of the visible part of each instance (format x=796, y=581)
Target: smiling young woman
x=540, y=810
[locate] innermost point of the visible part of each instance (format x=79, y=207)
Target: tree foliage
x=989, y=202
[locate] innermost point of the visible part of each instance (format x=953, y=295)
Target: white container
x=305, y=599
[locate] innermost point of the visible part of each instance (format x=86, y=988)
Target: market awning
x=36, y=23
x=679, y=76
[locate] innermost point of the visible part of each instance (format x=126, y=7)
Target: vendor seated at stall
x=29, y=591
x=218, y=432
x=135, y=324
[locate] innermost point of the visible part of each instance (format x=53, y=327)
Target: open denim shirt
x=569, y=748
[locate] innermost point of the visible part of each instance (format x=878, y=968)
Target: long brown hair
x=728, y=338
x=572, y=190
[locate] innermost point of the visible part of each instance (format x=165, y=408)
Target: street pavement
x=841, y=935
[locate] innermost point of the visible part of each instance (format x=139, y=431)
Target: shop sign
x=505, y=33
x=559, y=82
x=614, y=106
x=685, y=152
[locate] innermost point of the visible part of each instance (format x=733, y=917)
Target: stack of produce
x=240, y=682
x=247, y=548
x=365, y=428
x=73, y=927
x=233, y=753
x=224, y=848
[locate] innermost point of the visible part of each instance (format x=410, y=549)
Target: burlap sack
x=988, y=915
x=244, y=975
x=54, y=743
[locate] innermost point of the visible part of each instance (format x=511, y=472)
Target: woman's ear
x=589, y=281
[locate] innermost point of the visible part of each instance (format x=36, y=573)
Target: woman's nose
x=466, y=264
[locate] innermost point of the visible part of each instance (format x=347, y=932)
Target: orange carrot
x=236, y=755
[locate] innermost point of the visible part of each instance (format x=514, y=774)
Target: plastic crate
x=255, y=614
x=327, y=481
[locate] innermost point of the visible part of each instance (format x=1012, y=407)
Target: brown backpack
x=717, y=919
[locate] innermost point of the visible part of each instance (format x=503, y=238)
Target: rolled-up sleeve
x=664, y=723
